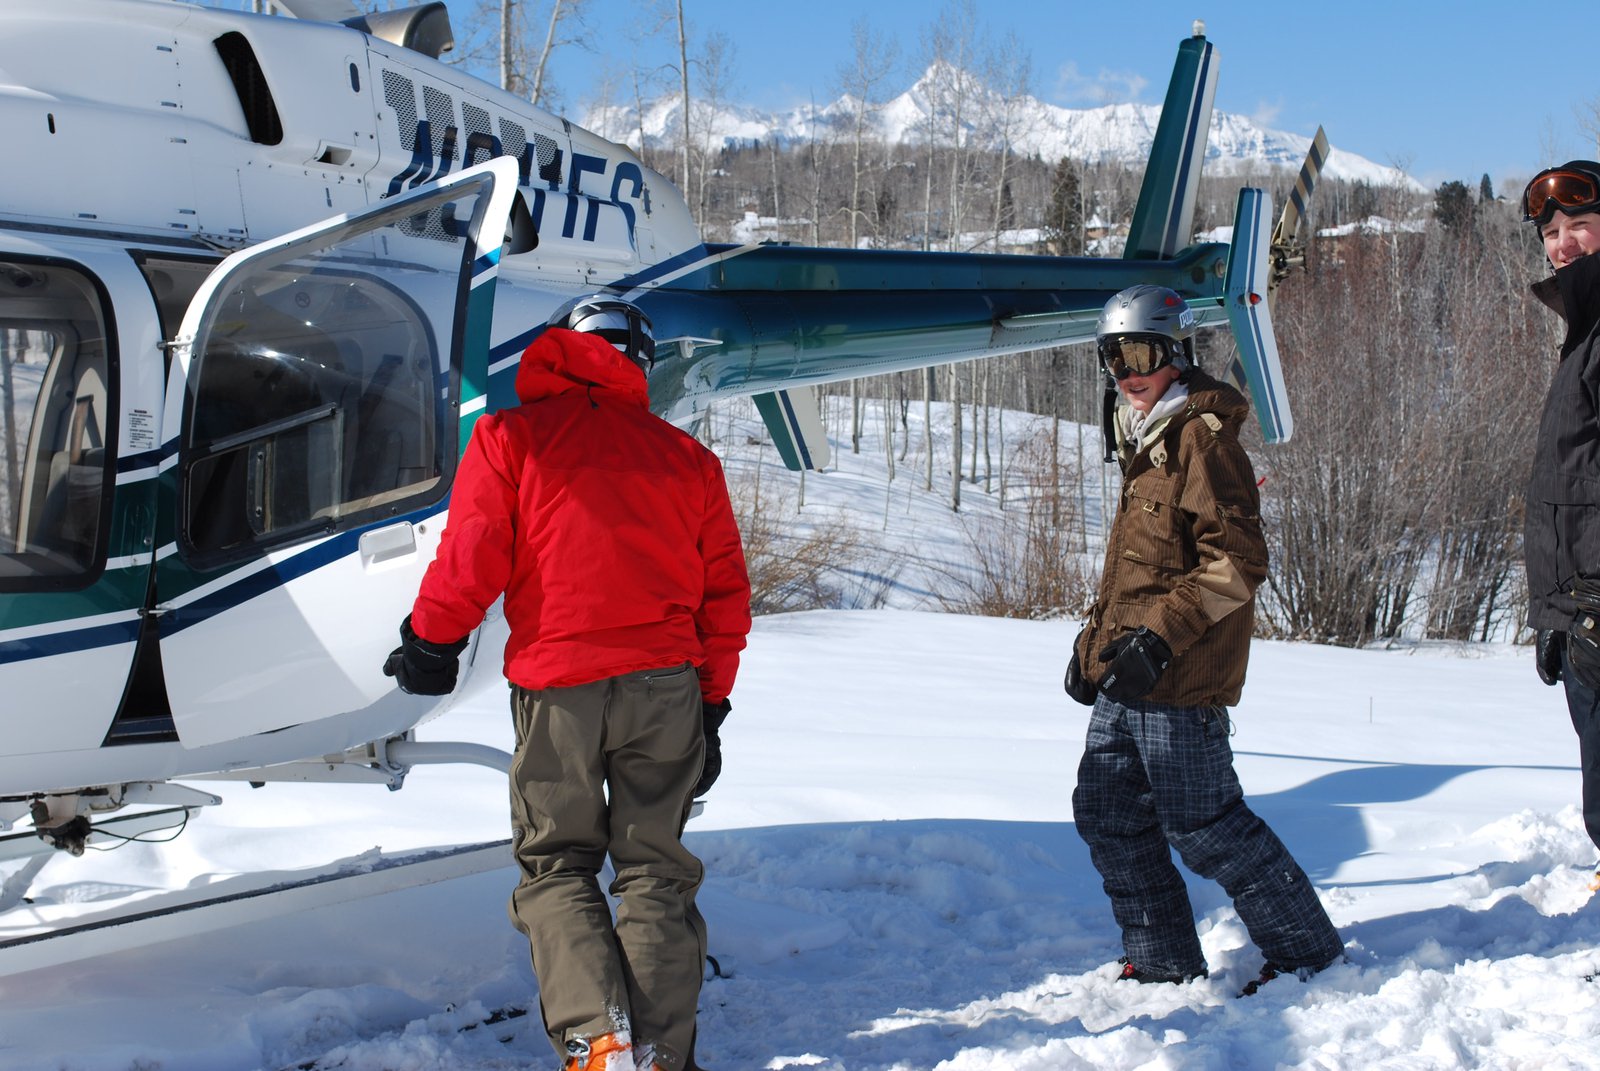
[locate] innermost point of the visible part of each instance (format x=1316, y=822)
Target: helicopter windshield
x=320, y=398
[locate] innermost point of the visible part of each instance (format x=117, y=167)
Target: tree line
x=1415, y=358
x=1416, y=361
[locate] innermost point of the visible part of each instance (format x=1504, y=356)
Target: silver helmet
x=1148, y=314
x=621, y=323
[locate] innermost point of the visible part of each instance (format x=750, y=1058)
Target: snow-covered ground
x=894, y=881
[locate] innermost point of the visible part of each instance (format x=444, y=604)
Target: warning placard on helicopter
x=141, y=429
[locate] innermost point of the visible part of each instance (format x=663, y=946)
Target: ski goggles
x=1133, y=355
x=1567, y=188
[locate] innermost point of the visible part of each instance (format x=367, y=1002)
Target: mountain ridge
x=1109, y=133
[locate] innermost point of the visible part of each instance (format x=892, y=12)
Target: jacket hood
x=559, y=361
x=1208, y=395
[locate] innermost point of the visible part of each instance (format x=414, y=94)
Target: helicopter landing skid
x=249, y=898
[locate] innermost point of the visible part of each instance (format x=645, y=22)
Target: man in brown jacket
x=1163, y=656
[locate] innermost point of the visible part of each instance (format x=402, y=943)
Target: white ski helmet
x=621, y=323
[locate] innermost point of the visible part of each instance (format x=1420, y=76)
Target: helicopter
x=259, y=276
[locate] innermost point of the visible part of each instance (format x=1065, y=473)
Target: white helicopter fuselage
x=159, y=138
x=258, y=277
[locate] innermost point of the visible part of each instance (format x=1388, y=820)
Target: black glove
x=1548, y=646
x=1078, y=687
x=1583, y=635
x=712, y=716
x=1137, y=662
x=424, y=668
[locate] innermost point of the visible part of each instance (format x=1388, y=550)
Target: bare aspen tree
x=1589, y=122
x=988, y=373
x=1052, y=368
x=888, y=410
x=873, y=60
x=972, y=393
x=683, y=81
x=562, y=12
x=951, y=45
x=1007, y=367
x=638, y=110
x=509, y=80
x=1009, y=76
x=855, y=416
x=511, y=39
x=772, y=156
x=955, y=436
x=716, y=65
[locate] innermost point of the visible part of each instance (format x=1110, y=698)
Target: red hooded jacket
x=608, y=530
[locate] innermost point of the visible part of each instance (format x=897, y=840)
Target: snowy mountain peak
x=946, y=96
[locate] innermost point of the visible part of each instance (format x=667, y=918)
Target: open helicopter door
x=322, y=387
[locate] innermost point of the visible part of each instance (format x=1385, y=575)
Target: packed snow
x=893, y=878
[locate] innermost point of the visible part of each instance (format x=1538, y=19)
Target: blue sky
x=1450, y=91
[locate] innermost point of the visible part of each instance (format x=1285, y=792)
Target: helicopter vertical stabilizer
x=1163, y=221
x=1249, y=313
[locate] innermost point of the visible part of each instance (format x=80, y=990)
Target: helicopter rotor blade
x=1288, y=252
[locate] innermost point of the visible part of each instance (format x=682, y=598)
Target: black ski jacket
x=1561, y=535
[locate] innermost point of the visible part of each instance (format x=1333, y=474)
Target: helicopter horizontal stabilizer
x=1249, y=313
x=795, y=423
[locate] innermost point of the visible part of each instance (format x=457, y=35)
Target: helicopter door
x=72, y=556
x=322, y=386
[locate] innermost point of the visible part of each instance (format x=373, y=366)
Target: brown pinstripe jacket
x=1186, y=554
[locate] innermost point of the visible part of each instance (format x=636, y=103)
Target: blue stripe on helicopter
x=795, y=432
x=667, y=267
x=148, y=459
x=340, y=545
x=69, y=642
x=72, y=640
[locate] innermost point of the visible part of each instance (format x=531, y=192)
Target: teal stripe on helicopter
x=249, y=585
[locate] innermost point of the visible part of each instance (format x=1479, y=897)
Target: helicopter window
x=173, y=282
x=54, y=428
x=319, y=401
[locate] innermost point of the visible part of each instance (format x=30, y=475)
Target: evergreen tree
x=1485, y=189
x=1452, y=205
x=1063, y=225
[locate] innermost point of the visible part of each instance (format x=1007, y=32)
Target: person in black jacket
x=1562, y=534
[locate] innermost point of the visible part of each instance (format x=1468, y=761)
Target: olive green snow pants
x=637, y=737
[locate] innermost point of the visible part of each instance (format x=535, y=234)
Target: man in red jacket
x=610, y=534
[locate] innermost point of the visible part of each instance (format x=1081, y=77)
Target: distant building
x=1374, y=225
x=758, y=228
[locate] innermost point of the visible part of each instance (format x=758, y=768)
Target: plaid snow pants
x=608, y=768
x=1155, y=775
